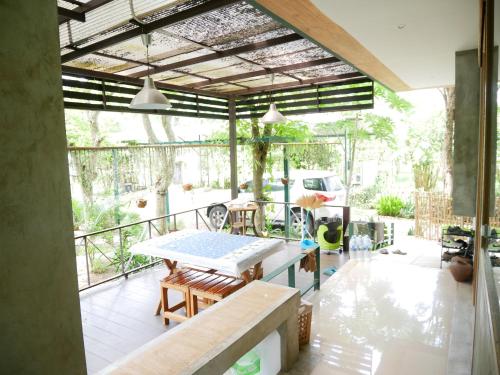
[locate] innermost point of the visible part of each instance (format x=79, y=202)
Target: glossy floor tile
x=393, y=314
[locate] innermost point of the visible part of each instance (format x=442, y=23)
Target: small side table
x=238, y=219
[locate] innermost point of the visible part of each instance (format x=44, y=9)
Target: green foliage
x=365, y=198
x=99, y=266
x=314, y=156
x=411, y=231
x=389, y=205
x=408, y=210
x=394, y=100
x=78, y=130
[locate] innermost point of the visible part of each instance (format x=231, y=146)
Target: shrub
x=389, y=205
x=408, y=210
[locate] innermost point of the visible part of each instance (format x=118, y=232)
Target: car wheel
x=296, y=222
x=216, y=216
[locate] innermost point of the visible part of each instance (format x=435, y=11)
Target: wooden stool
x=214, y=288
x=178, y=281
x=238, y=219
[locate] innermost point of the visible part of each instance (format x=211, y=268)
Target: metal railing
x=111, y=245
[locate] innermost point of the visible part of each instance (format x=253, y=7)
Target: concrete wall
x=40, y=323
x=466, y=136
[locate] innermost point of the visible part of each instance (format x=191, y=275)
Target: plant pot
x=284, y=181
x=244, y=186
x=461, y=269
x=187, y=187
x=141, y=203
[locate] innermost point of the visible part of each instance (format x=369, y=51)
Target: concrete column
x=466, y=135
x=233, y=157
x=40, y=323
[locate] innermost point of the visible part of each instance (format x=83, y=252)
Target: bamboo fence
x=434, y=210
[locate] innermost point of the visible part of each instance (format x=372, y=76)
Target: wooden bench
x=212, y=341
x=213, y=289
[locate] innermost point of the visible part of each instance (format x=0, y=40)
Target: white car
x=323, y=183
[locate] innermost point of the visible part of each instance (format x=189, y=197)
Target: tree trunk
x=85, y=165
x=260, y=150
x=166, y=157
x=448, y=94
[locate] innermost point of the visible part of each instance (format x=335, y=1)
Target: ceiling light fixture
x=273, y=116
x=149, y=97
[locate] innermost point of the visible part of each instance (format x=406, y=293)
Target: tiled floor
x=118, y=316
x=394, y=314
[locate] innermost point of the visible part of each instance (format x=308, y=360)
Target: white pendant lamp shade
x=150, y=98
x=273, y=116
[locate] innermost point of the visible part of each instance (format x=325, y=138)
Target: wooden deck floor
x=118, y=317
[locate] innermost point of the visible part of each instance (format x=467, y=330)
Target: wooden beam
x=87, y=7
x=71, y=14
x=306, y=19
x=265, y=71
x=135, y=81
x=147, y=28
x=221, y=54
x=305, y=83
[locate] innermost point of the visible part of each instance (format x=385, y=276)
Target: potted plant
x=141, y=202
x=187, y=187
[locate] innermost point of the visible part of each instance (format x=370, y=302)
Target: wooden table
x=238, y=219
x=239, y=256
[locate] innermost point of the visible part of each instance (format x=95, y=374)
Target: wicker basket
x=305, y=318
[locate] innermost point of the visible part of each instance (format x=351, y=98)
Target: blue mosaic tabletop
x=209, y=244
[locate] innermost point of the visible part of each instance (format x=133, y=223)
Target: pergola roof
x=222, y=48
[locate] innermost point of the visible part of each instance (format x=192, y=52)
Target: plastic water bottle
x=367, y=244
x=354, y=245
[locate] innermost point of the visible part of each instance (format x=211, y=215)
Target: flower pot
x=141, y=203
x=187, y=187
x=284, y=181
x=461, y=269
x=244, y=186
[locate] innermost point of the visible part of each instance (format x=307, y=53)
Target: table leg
x=244, y=214
x=251, y=276
x=171, y=268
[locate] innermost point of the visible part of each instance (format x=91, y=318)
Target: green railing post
x=291, y=276
x=167, y=209
x=116, y=184
x=287, y=193
x=317, y=273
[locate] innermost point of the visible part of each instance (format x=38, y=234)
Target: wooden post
x=233, y=158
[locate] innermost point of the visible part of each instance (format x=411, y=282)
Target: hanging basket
x=244, y=186
x=187, y=187
x=141, y=203
x=284, y=181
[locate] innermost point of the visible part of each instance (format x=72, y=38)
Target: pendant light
x=149, y=97
x=273, y=116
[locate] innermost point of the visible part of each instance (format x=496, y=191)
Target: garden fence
x=433, y=210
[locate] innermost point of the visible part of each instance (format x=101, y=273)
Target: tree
x=448, y=94
x=85, y=165
x=361, y=127
x=424, y=145
x=166, y=156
